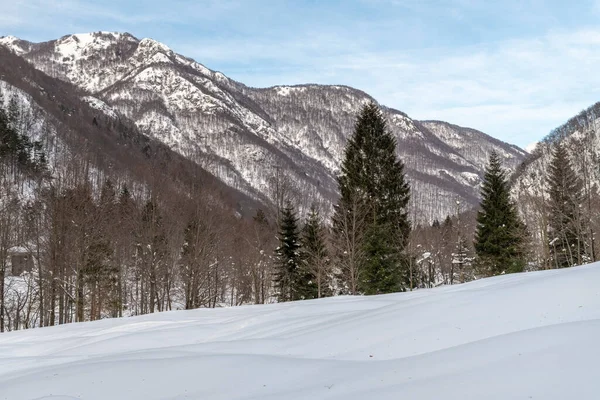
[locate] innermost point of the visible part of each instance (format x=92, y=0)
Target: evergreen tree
x=500, y=235
x=16, y=149
x=567, y=239
x=315, y=259
x=382, y=272
x=373, y=190
x=287, y=274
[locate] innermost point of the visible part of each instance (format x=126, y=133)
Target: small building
x=20, y=259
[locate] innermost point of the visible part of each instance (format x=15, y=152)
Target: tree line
x=105, y=246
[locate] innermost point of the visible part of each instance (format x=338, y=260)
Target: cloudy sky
x=513, y=69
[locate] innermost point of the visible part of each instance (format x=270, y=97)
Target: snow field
x=522, y=336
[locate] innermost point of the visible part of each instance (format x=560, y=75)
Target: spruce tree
x=315, y=258
x=500, y=235
x=287, y=274
x=382, y=271
x=374, y=192
x=565, y=190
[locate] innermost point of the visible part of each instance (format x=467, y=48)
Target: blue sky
x=513, y=69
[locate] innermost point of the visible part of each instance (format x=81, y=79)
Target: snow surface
x=531, y=147
x=524, y=336
x=100, y=106
x=12, y=43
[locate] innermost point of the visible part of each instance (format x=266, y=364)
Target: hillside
x=523, y=336
x=251, y=137
x=580, y=136
x=70, y=126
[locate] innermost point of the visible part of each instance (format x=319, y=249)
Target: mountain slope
x=247, y=136
x=74, y=133
x=580, y=136
x=530, y=336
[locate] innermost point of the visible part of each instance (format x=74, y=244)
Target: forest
x=82, y=241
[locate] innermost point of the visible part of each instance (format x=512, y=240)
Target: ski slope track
x=521, y=336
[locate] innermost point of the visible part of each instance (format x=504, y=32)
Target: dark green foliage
x=16, y=148
x=383, y=272
x=566, y=233
x=374, y=190
x=315, y=259
x=371, y=168
x=500, y=235
x=287, y=267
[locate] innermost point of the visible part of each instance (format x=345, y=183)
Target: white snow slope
x=523, y=336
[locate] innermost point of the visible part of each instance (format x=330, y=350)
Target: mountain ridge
x=248, y=137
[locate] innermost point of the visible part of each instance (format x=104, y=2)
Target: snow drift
x=522, y=336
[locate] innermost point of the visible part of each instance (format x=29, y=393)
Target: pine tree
x=500, y=235
x=315, y=259
x=373, y=191
x=567, y=239
x=382, y=272
x=287, y=274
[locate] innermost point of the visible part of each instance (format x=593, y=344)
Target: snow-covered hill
x=248, y=136
x=521, y=336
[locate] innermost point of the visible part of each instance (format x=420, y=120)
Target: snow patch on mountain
x=14, y=44
x=100, y=106
x=530, y=148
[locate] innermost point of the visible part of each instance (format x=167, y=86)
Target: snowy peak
x=84, y=45
x=15, y=44
x=150, y=52
x=151, y=46
x=244, y=135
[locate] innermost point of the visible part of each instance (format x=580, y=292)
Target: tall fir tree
x=373, y=190
x=382, y=271
x=315, y=258
x=566, y=230
x=500, y=234
x=287, y=267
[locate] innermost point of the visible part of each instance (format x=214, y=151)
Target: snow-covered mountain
x=580, y=136
x=75, y=129
x=250, y=137
x=518, y=336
